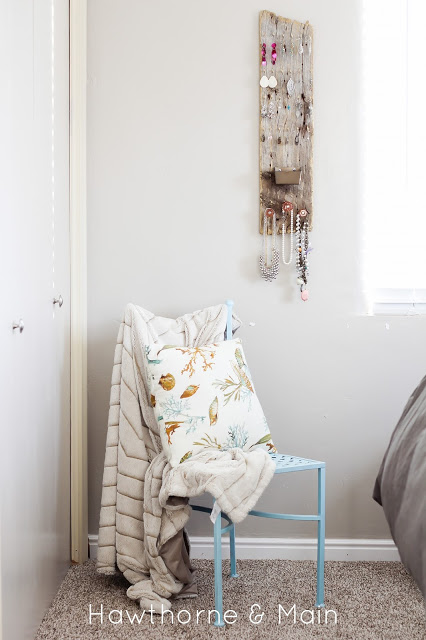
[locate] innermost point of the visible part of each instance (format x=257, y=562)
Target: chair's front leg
x=218, y=598
x=234, y=573
x=321, y=538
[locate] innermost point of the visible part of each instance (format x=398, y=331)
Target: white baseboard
x=93, y=546
x=289, y=548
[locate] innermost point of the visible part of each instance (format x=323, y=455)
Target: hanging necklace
x=299, y=278
x=302, y=263
x=287, y=207
x=269, y=268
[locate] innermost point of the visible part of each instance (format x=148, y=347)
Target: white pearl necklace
x=291, y=239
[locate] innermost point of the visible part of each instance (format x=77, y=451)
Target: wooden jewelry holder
x=286, y=118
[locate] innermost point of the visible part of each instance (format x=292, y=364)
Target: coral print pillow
x=204, y=398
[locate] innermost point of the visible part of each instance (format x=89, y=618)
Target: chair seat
x=285, y=463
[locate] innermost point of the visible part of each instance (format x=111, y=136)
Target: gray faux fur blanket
x=401, y=485
x=144, y=504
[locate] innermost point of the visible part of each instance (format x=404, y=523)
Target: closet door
x=34, y=268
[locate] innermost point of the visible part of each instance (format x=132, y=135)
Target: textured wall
x=173, y=226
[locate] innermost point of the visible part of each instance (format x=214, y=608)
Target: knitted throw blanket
x=144, y=500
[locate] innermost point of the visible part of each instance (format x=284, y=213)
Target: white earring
x=264, y=79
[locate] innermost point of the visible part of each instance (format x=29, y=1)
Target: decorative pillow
x=204, y=398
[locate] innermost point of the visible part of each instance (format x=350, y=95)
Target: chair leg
x=234, y=573
x=321, y=538
x=218, y=598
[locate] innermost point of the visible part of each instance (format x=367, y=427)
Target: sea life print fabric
x=204, y=398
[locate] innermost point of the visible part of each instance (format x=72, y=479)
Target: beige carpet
x=373, y=600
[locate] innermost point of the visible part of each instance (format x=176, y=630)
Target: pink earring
x=264, y=79
x=272, y=82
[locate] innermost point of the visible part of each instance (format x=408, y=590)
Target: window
x=394, y=154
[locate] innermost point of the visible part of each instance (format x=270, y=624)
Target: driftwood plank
x=286, y=121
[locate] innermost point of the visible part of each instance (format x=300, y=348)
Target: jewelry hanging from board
x=287, y=208
x=272, y=83
x=269, y=260
x=302, y=252
x=264, y=81
x=286, y=131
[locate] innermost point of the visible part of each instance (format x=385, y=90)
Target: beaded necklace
x=302, y=262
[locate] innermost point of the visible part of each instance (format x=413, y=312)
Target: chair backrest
x=229, y=304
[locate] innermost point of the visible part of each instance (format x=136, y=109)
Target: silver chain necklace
x=302, y=261
x=269, y=268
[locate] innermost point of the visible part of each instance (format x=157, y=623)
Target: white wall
x=173, y=98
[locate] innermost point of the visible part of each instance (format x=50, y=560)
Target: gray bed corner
x=400, y=485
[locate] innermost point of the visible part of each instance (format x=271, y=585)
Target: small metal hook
x=18, y=325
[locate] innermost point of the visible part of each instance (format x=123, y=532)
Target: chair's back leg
x=234, y=573
x=321, y=538
x=218, y=598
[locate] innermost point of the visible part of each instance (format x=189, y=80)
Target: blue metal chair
x=284, y=464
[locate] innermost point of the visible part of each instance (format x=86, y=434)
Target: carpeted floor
x=372, y=600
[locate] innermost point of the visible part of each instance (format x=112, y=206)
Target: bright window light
x=393, y=153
